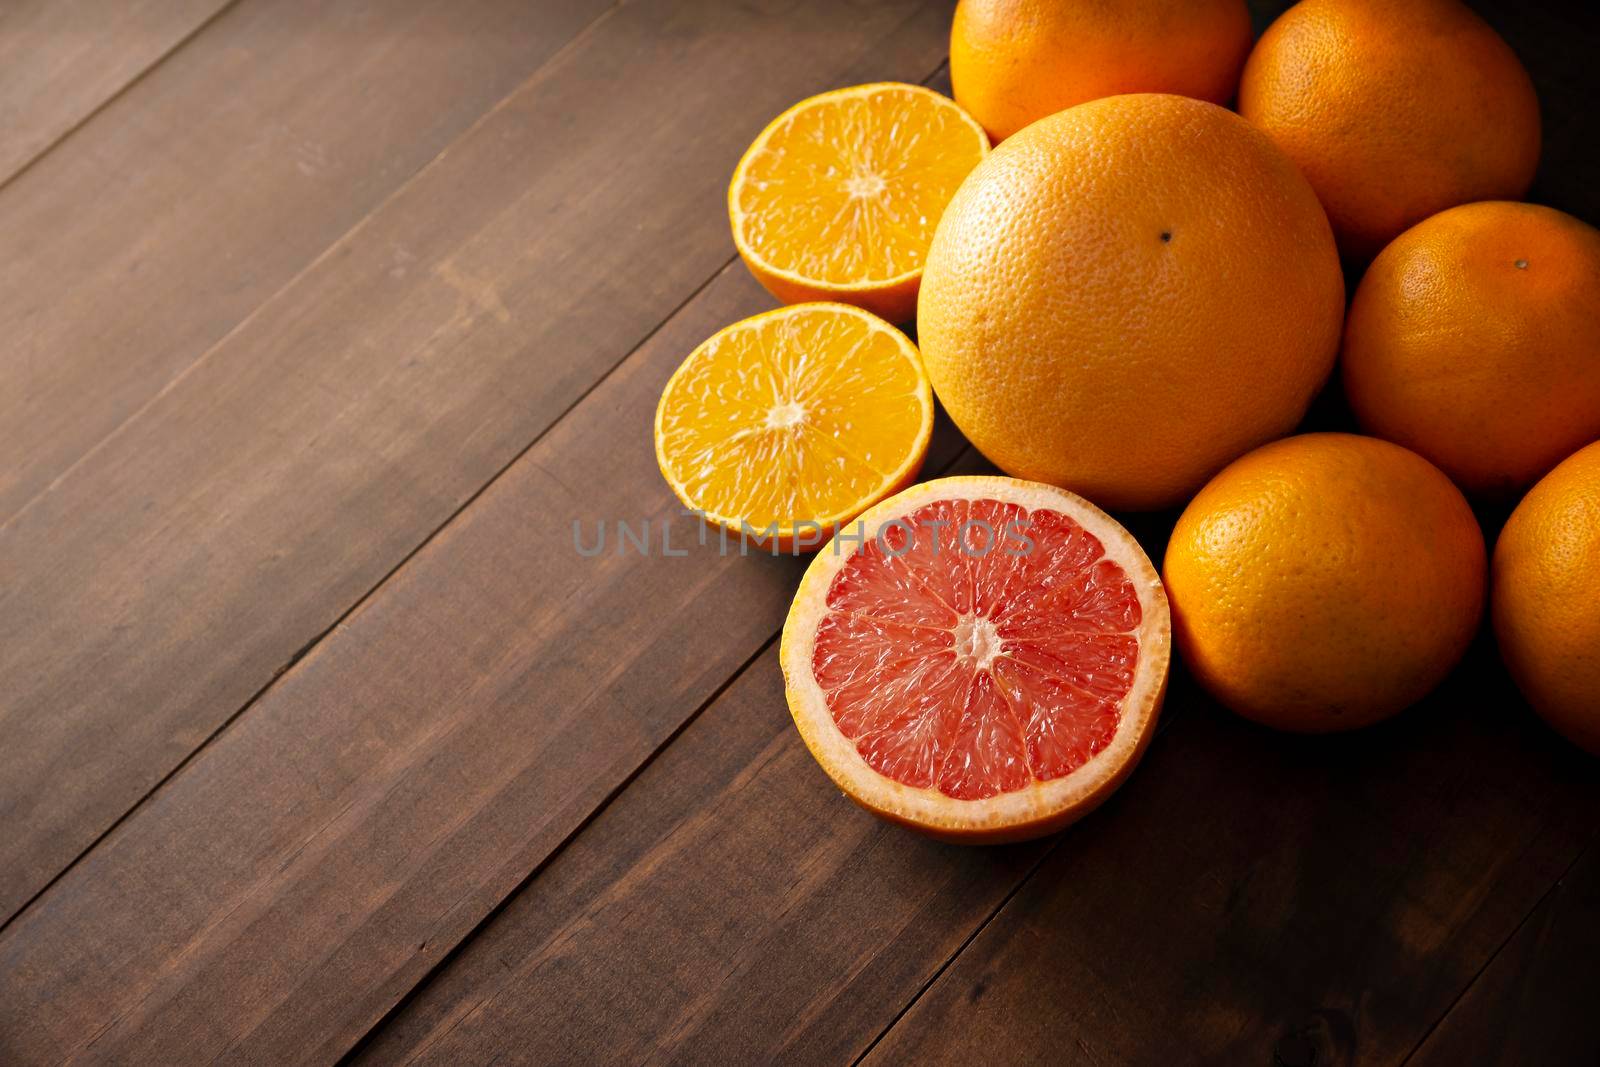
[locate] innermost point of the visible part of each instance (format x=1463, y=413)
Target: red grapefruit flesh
x=984, y=660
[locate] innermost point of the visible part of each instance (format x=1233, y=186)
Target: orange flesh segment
x=849, y=189
x=804, y=416
x=976, y=672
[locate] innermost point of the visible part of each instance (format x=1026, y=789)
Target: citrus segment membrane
x=979, y=658
x=848, y=187
x=977, y=646
x=838, y=198
x=794, y=420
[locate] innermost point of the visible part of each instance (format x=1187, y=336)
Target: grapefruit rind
x=789, y=533
x=1040, y=807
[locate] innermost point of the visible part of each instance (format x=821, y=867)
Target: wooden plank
x=61, y=60
x=698, y=920
x=184, y=564
x=1318, y=899
x=731, y=906
x=190, y=200
x=1534, y=1004
x=294, y=881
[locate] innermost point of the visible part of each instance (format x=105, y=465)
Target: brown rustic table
x=323, y=323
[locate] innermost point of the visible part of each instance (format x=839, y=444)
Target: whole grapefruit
x=1127, y=295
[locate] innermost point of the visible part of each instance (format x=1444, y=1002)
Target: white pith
x=865, y=186
x=785, y=415
x=1039, y=801
x=977, y=641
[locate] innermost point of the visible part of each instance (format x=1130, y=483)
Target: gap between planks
x=1499, y=949
x=1163, y=725
x=305, y=650
x=307, y=647
x=129, y=778
x=455, y=951
x=110, y=98
x=332, y=248
x=965, y=457
x=577, y=831
x=367, y=577
x=938, y=972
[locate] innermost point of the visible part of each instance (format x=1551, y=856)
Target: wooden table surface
x=323, y=323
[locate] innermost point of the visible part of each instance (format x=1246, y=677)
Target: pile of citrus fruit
x=1126, y=296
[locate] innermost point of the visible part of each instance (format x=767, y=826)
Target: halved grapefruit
x=979, y=658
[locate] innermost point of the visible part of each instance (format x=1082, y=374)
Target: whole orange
x=1127, y=295
x=1474, y=339
x=1394, y=111
x=1013, y=62
x=1547, y=597
x=1325, y=582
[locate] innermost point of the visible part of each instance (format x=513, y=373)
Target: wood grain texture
x=295, y=880
x=1534, y=1004
x=1259, y=894
x=731, y=906
x=61, y=60
x=446, y=745
x=175, y=212
x=236, y=518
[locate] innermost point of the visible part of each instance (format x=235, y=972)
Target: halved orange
x=838, y=197
x=784, y=425
x=979, y=658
